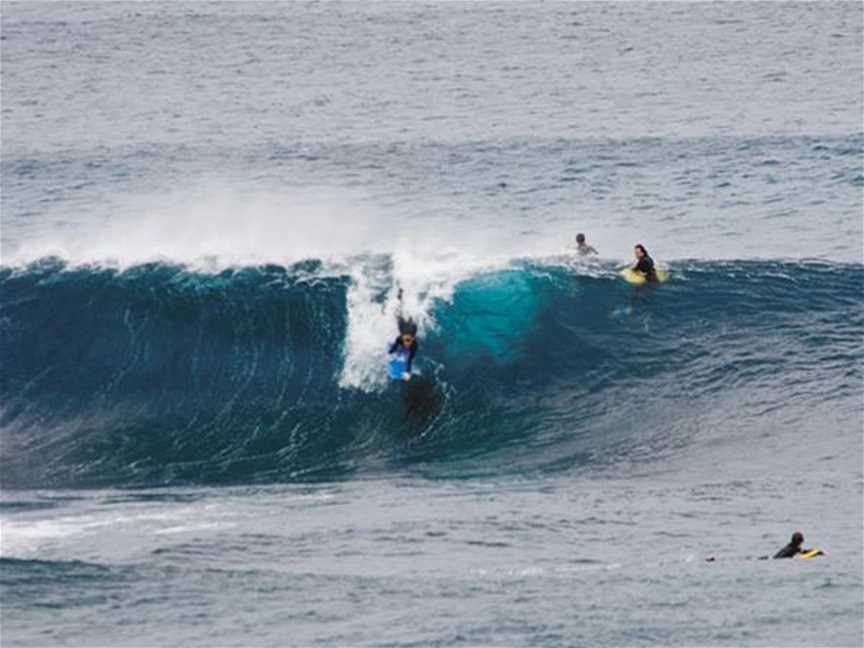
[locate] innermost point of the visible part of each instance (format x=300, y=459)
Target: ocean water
x=208, y=210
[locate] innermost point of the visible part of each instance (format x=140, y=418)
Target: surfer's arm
x=411, y=354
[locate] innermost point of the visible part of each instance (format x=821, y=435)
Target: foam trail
x=370, y=317
x=426, y=277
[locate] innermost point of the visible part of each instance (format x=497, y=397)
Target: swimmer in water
x=582, y=248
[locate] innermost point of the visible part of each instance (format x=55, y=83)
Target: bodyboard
x=811, y=553
x=631, y=276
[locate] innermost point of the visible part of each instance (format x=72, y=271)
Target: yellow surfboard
x=810, y=553
x=631, y=276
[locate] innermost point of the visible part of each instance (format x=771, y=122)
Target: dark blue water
x=157, y=375
x=208, y=211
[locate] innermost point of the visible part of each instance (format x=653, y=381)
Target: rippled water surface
x=208, y=210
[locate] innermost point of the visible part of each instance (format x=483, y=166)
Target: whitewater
x=208, y=213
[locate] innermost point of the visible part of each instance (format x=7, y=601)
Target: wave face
x=158, y=374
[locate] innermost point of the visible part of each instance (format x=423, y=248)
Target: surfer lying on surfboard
x=794, y=548
x=791, y=550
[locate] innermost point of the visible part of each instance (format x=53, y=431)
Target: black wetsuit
x=412, y=351
x=646, y=267
x=789, y=551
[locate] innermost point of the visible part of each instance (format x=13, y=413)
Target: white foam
x=370, y=324
x=25, y=538
x=212, y=228
x=426, y=276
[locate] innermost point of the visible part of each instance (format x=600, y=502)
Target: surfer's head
x=797, y=539
x=407, y=340
x=580, y=238
x=640, y=251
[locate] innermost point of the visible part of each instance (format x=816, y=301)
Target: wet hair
x=407, y=327
x=580, y=238
x=642, y=247
x=797, y=539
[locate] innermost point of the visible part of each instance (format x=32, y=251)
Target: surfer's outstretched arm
x=406, y=325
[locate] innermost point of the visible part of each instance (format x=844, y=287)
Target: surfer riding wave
x=404, y=347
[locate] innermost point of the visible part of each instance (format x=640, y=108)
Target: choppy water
x=207, y=210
